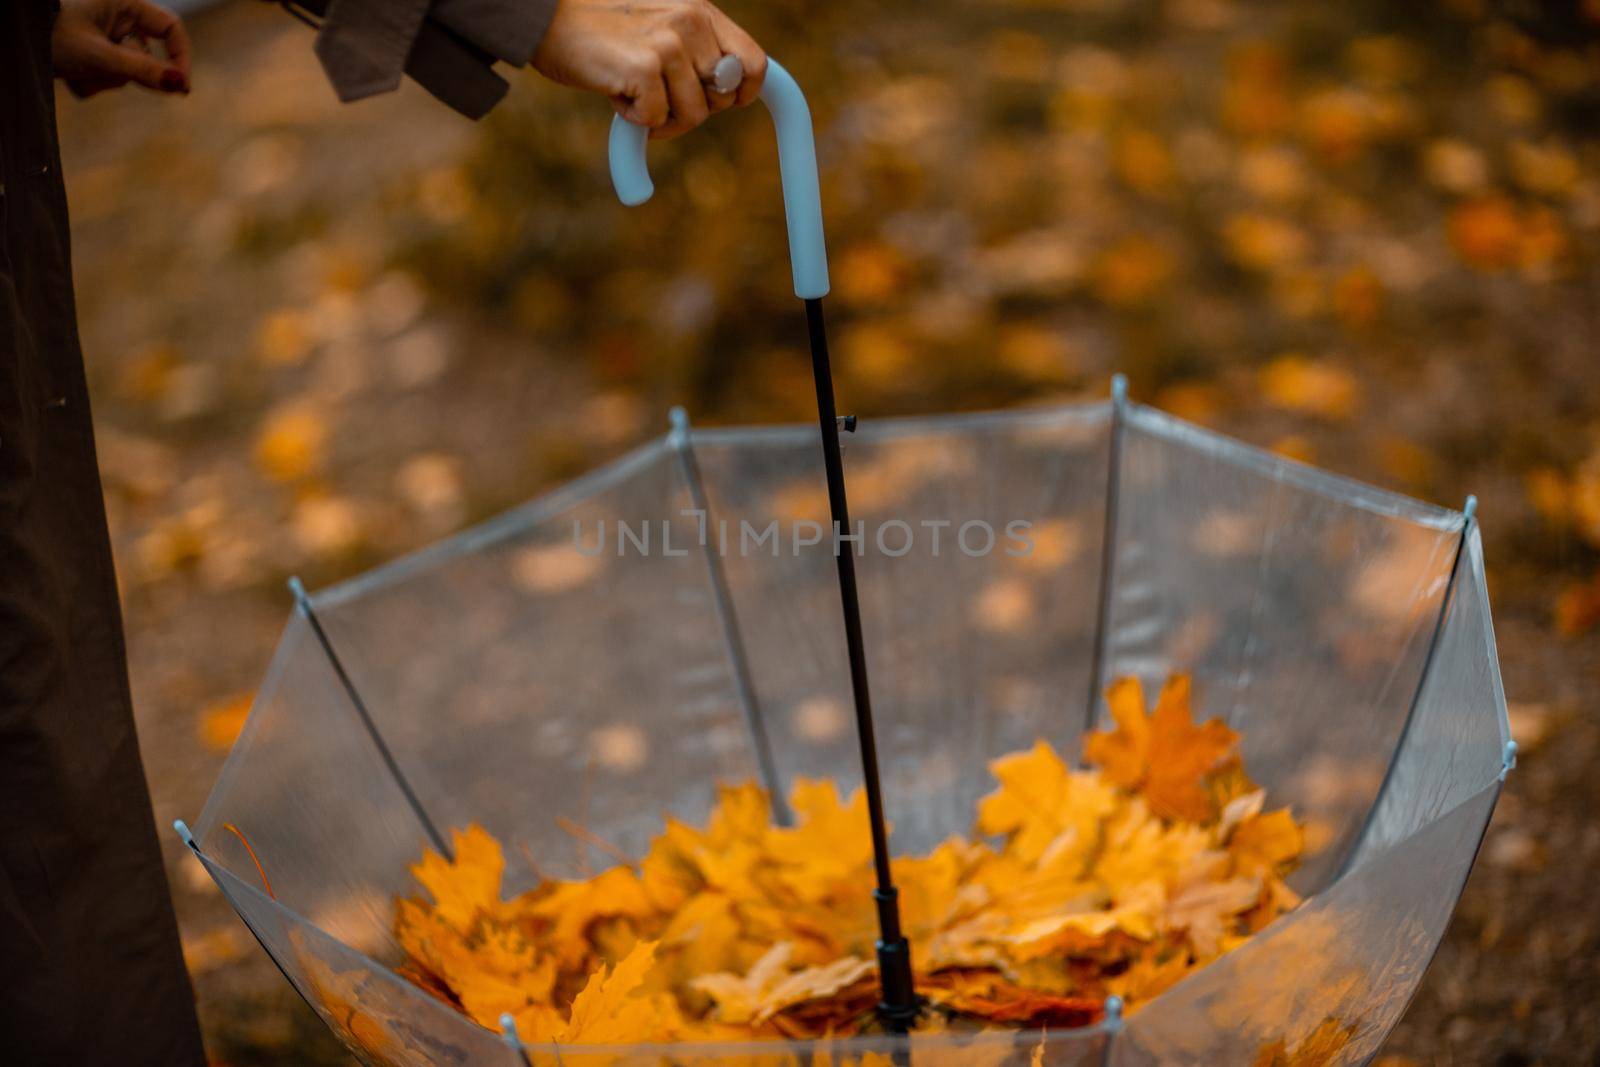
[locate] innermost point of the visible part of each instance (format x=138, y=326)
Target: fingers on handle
x=645, y=104
x=671, y=92
x=705, y=50
x=700, y=43
x=686, y=94
x=731, y=37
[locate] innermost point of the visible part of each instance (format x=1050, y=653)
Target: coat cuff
x=363, y=45
x=447, y=46
x=456, y=73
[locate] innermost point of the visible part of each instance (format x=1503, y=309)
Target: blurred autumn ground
x=1366, y=235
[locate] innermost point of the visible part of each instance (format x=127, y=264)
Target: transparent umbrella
x=608, y=653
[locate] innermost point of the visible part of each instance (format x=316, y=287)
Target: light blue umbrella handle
x=797, y=163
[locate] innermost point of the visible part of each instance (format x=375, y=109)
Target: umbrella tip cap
x=508, y=1030
x=1114, y=1012
x=1470, y=509
x=1119, y=395
x=298, y=589
x=183, y=832
x=678, y=419
x=1508, y=759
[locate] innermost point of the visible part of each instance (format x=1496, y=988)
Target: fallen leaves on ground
x=1297, y=383
x=1120, y=879
x=222, y=722
x=1577, y=609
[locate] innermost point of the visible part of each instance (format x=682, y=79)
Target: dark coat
x=88, y=943
x=90, y=967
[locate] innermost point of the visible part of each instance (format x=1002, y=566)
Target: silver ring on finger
x=727, y=75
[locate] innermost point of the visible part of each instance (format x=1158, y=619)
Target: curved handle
x=797, y=164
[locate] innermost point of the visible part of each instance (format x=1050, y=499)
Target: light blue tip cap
x=508, y=1030
x=1114, y=1011
x=797, y=163
x=1119, y=395
x=1470, y=510
x=1508, y=759
x=183, y=832
x=678, y=419
x=298, y=589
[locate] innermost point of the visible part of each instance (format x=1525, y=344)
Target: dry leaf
x=291, y=444
x=1163, y=755
x=220, y=723
x=1120, y=879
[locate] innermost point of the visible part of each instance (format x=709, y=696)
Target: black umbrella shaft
x=898, y=1006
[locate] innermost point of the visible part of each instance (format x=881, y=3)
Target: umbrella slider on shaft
x=900, y=1005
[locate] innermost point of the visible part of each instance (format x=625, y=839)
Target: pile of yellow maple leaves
x=1077, y=885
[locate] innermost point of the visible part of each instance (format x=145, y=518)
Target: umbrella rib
x=266, y=946
x=898, y=1006
x=1469, y=514
x=1108, y=547
x=1112, y=1023
x=732, y=635
x=303, y=601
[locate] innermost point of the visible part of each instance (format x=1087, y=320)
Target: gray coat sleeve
x=448, y=46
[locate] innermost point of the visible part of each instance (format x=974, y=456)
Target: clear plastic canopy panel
x=513, y=676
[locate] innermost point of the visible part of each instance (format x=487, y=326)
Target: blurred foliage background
x=1366, y=235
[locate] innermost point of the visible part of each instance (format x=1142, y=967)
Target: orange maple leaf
x=1162, y=755
x=987, y=995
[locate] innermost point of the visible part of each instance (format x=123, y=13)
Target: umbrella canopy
x=569, y=673
x=610, y=652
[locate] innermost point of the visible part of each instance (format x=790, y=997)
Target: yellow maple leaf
x=1081, y=931
x=938, y=894
x=1267, y=843
x=1042, y=805
x=829, y=844
x=705, y=936
x=491, y=970
x=611, y=1008
x=1018, y=893
x=771, y=985
x=1207, y=910
x=743, y=813
x=1141, y=850
x=684, y=860
x=467, y=884
x=574, y=907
